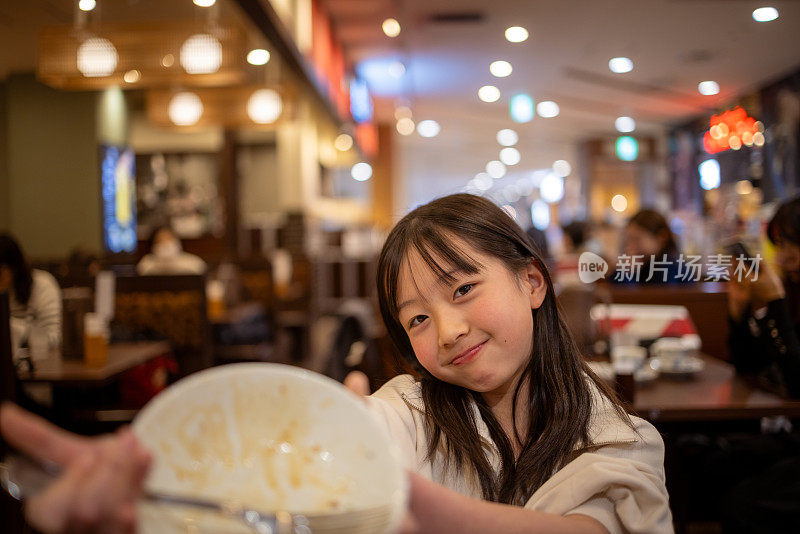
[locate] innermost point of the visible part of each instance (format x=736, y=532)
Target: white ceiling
x=674, y=45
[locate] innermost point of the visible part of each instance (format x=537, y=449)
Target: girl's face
x=639, y=241
x=476, y=332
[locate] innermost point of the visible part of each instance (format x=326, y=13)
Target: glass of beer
x=95, y=340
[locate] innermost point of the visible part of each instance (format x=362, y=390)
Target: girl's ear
x=535, y=284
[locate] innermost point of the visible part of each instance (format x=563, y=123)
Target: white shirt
x=617, y=479
x=42, y=313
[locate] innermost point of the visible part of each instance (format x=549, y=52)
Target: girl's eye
x=463, y=290
x=416, y=320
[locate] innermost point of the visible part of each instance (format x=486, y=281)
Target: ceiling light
x=627, y=148
x=708, y=88
x=97, y=57
x=428, y=128
x=765, y=14
x=405, y=126
x=547, y=109
x=562, y=168
x=619, y=203
x=620, y=65
x=361, y=171
x=258, y=56
x=709, y=174
x=88, y=5
x=132, y=76
x=343, y=142
x=185, y=109
x=496, y=169
x=625, y=124
x=510, y=156
x=264, y=106
x=201, y=54
x=489, y=93
x=521, y=108
x=500, y=69
x=391, y=27
x=552, y=188
x=540, y=214
x=168, y=60
x=507, y=137
x=204, y=3
x=482, y=181
x=516, y=34
x=396, y=69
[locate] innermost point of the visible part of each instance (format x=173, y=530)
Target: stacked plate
x=271, y=438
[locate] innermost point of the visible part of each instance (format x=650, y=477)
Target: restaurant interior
x=210, y=182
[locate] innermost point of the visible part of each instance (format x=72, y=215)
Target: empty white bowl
x=267, y=436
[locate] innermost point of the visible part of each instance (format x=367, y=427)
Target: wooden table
x=714, y=394
x=121, y=357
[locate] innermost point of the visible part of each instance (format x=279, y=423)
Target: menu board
x=118, y=185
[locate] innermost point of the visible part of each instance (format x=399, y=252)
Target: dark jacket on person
x=765, y=346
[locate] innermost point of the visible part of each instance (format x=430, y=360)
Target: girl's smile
x=468, y=355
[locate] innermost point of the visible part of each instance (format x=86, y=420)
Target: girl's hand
x=100, y=483
x=357, y=382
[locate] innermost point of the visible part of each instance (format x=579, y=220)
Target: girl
x=34, y=295
x=505, y=429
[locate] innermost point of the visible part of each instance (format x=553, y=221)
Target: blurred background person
x=575, y=241
x=648, y=236
x=765, y=309
x=34, y=298
x=167, y=256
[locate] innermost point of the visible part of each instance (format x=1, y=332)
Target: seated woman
x=167, y=257
x=765, y=310
x=651, y=250
x=34, y=296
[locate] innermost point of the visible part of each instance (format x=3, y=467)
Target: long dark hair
x=785, y=226
x=12, y=257
x=559, y=397
x=655, y=223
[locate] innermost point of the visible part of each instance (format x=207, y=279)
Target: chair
x=575, y=301
x=173, y=307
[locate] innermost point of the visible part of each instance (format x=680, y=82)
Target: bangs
x=441, y=253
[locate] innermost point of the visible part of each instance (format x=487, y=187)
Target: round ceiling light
x=489, y=93
x=258, y=56
x=201, y=54
x=507, y=137
x=500, y=69
x=185, y=109
x=516, y=34
x=97, y=57
x=264, y=106
x=620, y=65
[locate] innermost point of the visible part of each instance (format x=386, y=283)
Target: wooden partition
x=707, y=304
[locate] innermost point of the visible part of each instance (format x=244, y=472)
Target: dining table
x=59, y=371
x=714, y=394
